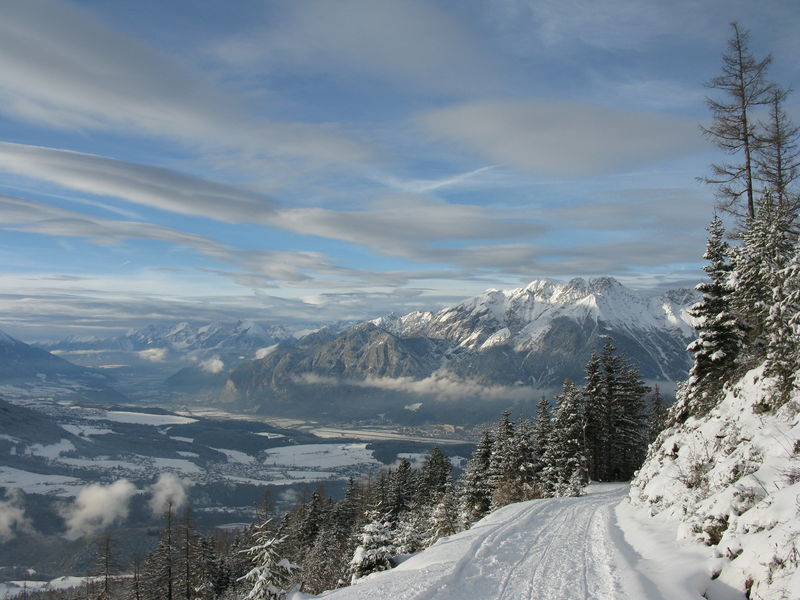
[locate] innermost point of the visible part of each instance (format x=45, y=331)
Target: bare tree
x=733, y=128
x=778, y=156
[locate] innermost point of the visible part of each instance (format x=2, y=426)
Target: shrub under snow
x=732, y=478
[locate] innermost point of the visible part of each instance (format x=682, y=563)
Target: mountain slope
x=502, y=346
x=31, y=371
x=732, y=479
x=552, y=549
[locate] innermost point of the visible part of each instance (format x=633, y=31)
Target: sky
x=310, y=161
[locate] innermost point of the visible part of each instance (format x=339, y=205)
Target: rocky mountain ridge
x=501, y=345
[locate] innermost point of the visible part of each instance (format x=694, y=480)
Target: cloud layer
x=559, y=138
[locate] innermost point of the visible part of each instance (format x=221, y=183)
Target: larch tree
x=778, y=156
x=734, y=128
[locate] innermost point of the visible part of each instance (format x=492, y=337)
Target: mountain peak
x=7, y=339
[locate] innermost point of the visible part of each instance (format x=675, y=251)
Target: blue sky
x=317, y=160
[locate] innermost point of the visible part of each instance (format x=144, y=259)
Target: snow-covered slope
x=732, y=479
x=553, y=549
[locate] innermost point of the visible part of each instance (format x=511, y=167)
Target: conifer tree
x=476, y=493
x=719, y=333
x=783, y=321
x=375, y=549
x=657, y=417
x=598, y=419
x=400, y=496
x=326, y=563
x=766, y=249
x=539, y=440
x=270, y=575
x=433, y=477
x=444, y=518
x=630, y=429
x=409, y=533
x=565, y=471
x=311, y=521
x=501, y=460
x=524, y=464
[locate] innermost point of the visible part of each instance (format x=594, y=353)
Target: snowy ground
x=593, y=547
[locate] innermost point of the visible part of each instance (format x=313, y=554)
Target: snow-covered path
x=555, y=549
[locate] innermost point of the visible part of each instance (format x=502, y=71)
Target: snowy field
x=594, y=547
x=139, y=418
x=324, y=456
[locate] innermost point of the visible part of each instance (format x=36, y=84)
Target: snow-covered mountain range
x=497, y=346
x=184, y=338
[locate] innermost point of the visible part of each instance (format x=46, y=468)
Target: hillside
x=732, y=480
x=30, y=372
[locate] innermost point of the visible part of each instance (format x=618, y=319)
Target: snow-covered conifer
x=766, y=249
x=565, y=459
x=657, y=416
x=375, y=550
x=475, y=494
x=443, y=520
x=783, y=327
x=501, y=462
x=540, y=437
x=719, y=333
x=270, y=575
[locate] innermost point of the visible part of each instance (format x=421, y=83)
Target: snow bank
x=731, y=480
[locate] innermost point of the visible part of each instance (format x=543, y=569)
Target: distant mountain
x=494, y=347
x=33, y=371
x=183, y=339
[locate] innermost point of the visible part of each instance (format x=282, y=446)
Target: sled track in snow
x=553, y=549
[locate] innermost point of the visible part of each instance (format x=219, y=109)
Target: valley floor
x=592, y=547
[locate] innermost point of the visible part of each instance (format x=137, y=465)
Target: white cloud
x=97, y=506
x=168, y=490
x=264, y=352
x=12, y=515
x=153, y=354
x=560, y=138
x=213, y=365
x=441, y=386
